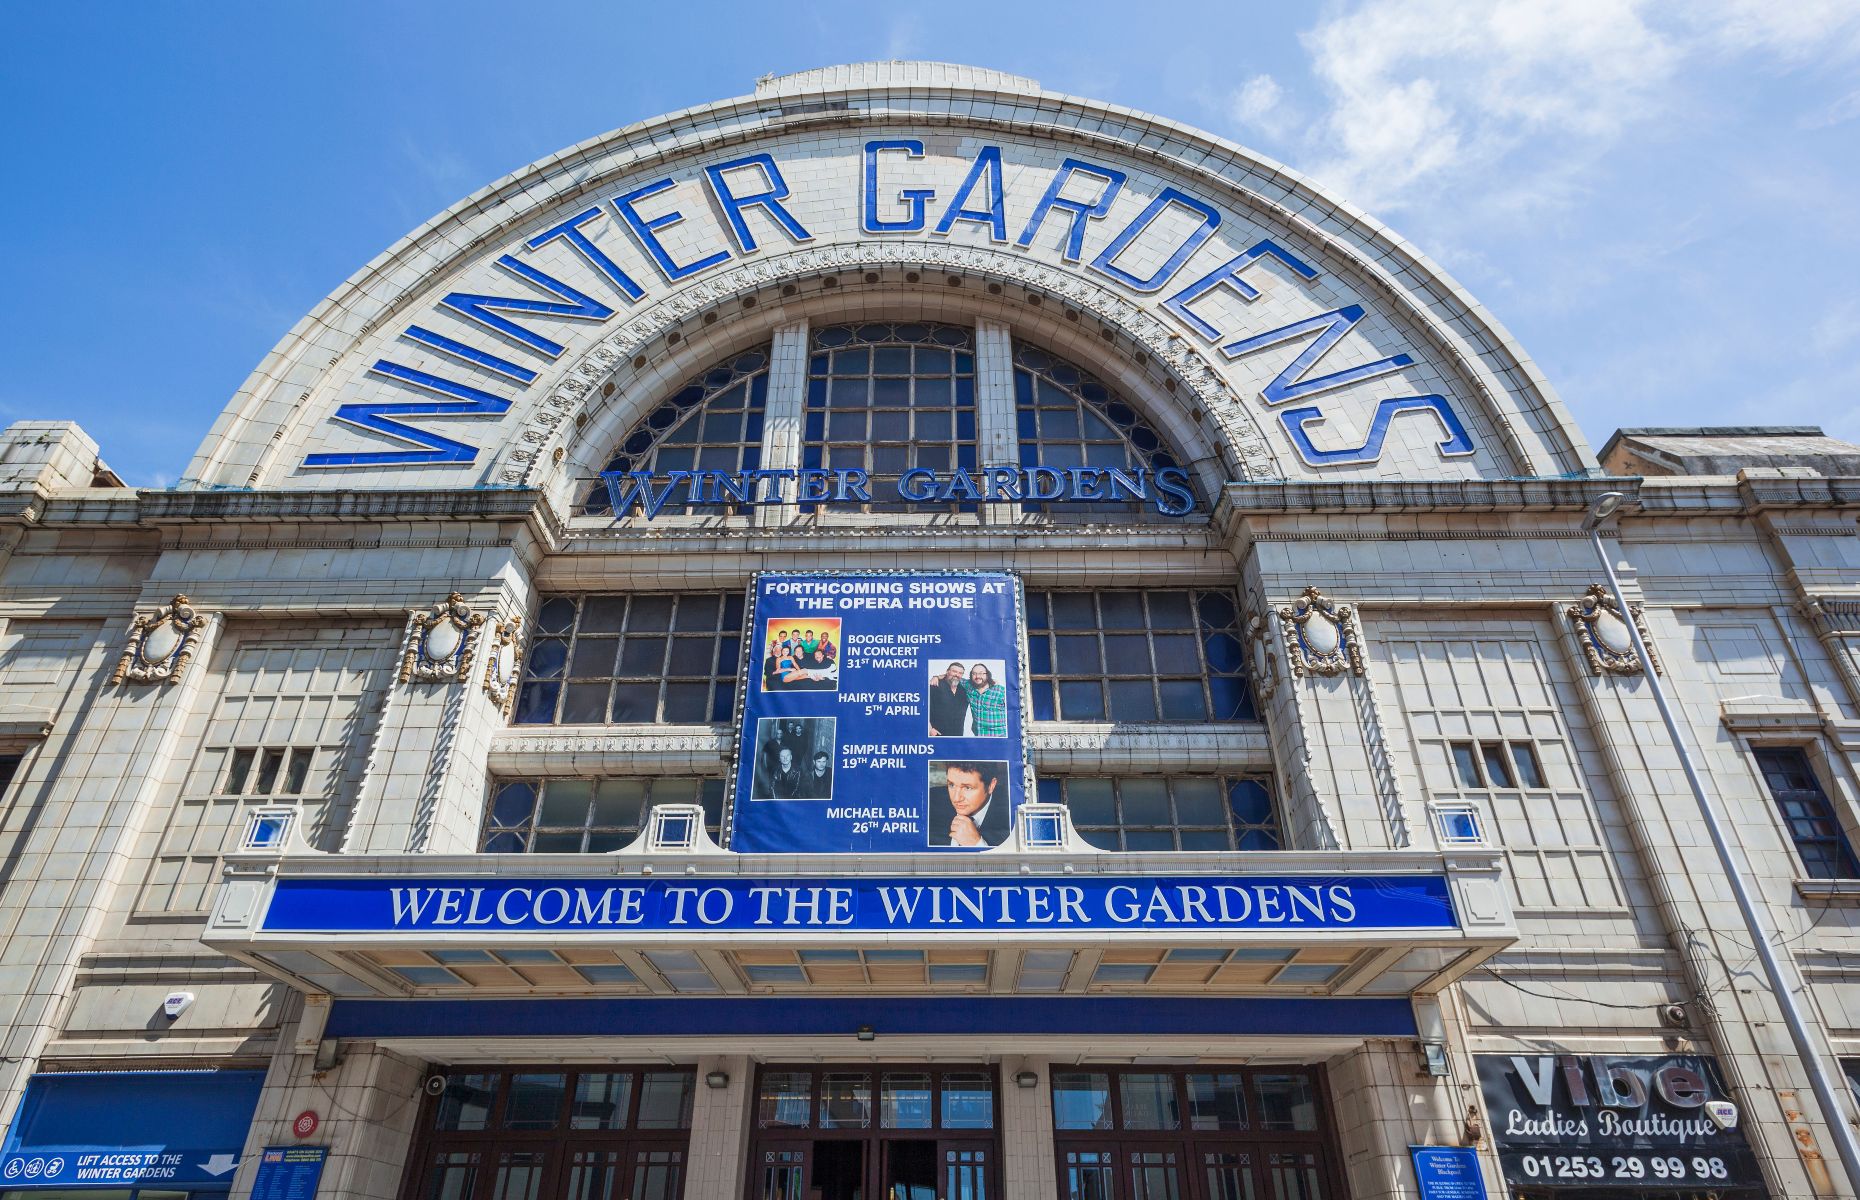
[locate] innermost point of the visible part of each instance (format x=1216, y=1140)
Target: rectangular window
x=1189, y=812
x=1812, y=823
x=586, y=816
x=651, y=659
x=1137, y=657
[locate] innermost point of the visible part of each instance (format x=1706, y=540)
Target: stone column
x=784, y=415
x=424, y=790
x=1026, y=1119
x=366, y=1109
x=720, y=1125
x=997, y=435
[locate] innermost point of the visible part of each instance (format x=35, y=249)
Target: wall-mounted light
x=1026, y=1079
x=1434, y=1059
x=867, y=1034
x=717, y=1079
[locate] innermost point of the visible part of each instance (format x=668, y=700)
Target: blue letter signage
x=969, y=904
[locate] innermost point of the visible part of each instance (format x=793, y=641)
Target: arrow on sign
x=219, y=1164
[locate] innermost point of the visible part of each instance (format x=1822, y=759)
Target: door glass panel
x=1294, y=1177
x=964, y=1175
x=1149, y=1100
x=1088, y=1175
x=845, y=1100
x=1230, y=1175
x=665, y=1099
x=910, y=1170
x=1286, y=1102
x=658, y=1175
x=784, y=1100
x=601, y=1100
x=1155, y=1175
x=1217, y=1101
x=454, y=1175
x=968, y=1101
x=519, y=1175
x=535, y=1101
x=467, y=1101
x=782, y=1172
x=595, y=1175
x=904, y=1102
x=1081, y=1100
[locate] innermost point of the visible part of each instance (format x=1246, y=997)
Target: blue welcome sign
x=1104, y=903
x=1448, y=1172
x=881, y=712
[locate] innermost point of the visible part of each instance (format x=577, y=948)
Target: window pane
x=1081, y=1100
x=1216, y=1101
x=467, y=1101
x=1149, y=1100
x=1286, y=1102
x=601, y=1100
x=845, y=1100
x=535, y=1101
x=1497, y=770
x=1465, y=765
x=665, y=1099
x=968, y=1101
x=1530, y=773
x=904, y=1101
x=783, y=1102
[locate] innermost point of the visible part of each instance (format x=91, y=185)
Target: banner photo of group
x=882, y=712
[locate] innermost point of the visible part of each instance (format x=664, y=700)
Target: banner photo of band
x=882, y=712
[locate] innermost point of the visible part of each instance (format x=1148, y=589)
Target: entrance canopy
x=713, y=925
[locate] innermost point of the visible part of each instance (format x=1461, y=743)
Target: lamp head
x=1604, y=507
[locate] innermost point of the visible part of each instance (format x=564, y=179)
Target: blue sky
x=1658, y=199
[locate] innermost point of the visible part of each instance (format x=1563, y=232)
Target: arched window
x=1066, y=417
x=713, y=423
x=889, y=397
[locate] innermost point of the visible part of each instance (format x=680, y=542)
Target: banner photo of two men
x=885, y=713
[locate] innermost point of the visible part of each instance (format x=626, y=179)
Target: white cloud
x=1520, y=96
x=1838, y=113
x=1259, y=103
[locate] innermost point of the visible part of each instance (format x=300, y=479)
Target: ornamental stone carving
x=502, y=660
x=1605, y=640
x=161, y=644
x=440, y=642
x=1320, y=636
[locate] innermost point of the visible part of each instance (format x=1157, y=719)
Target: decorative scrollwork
x=440, y=642
x=1260, y=658
x=1604, y=636
x=1320, y=637
x=502, y=661
x=161, y=644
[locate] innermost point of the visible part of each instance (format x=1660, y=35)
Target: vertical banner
x=882, y=712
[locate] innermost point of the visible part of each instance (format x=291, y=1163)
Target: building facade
x=523, y=757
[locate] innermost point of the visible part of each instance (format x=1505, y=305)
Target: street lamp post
x=1831, y=1106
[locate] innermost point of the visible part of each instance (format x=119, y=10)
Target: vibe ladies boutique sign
x=881, y=712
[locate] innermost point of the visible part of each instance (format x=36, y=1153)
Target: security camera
x=1674, y=1015
x=176, y=1003
x=434, y=1085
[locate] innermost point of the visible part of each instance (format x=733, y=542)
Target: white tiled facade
x=1457, y=547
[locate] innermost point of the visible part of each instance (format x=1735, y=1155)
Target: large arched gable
x=1291, y=336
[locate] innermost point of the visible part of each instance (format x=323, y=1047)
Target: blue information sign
x=289, y=1172
x=881, y=712
x=1105, y=903
x=1448, y=1172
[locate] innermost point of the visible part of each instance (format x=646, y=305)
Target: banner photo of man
x=910, y=682
x=969, y=698
x=801, y=656
x=966, y=811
